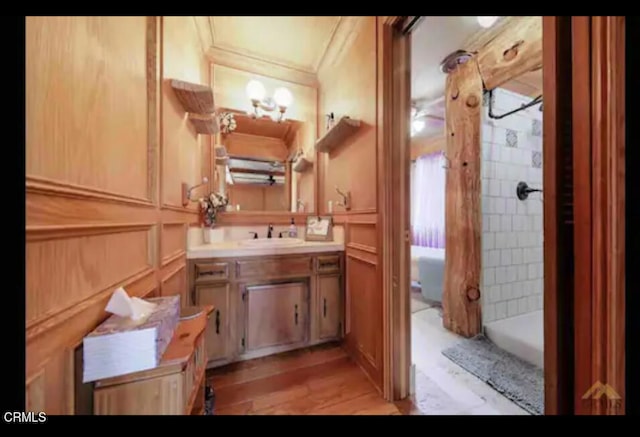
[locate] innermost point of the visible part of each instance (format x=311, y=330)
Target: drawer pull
x=217, y=321
x=325, y=307
x=211, y=273
x=331, y=263
x=296, y=314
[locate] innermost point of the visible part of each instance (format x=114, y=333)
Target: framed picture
x=319, y=228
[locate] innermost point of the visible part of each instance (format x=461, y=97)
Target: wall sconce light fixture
x=281, y=100
x=186, y=191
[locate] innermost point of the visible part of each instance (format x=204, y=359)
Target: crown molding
x=203, y=26
x=260, y=66
x=345, y=32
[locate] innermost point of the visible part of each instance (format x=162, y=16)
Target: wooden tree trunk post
x=461, y=293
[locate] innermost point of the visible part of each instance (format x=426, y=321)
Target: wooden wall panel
x=362, y=237
x=173, y=240
x=348, y=83
x=49, y=388
x=181, y=145
x=176, y=283
x=35, y=393
x=348, y=87
x=51, y=207
x=62, y=272
x=364, y=313
x=86, y=102
x=94, y=210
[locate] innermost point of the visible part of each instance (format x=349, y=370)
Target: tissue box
x=120, y=345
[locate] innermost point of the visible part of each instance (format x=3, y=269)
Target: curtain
x=427, y=201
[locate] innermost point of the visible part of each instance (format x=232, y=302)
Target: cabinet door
x=276, y=314
x=217, y=335
x=330, y=306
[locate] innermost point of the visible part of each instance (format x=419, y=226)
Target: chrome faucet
x=270, y=230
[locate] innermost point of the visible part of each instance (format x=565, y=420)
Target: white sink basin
x=271, y=242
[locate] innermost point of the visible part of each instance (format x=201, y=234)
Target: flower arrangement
x=227, y=123
x=209, y=207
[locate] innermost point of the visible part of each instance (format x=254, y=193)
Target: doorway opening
x=476, y=216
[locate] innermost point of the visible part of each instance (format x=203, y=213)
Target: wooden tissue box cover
x=119, y=345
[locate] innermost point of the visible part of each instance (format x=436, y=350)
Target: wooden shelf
x=205, y=124
x=344, y=128
x=195, y=98
x=301, y=164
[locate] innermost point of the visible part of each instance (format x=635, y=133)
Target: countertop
x=235, y=249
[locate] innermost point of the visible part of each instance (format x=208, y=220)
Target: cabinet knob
x=217, y=321
x=324, y=311
x=296, y=314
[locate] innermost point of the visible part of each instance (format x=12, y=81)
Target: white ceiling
x=295, y=42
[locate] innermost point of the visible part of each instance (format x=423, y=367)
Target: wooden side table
x=175, y=387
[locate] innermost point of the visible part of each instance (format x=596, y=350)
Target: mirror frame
x=260, y=217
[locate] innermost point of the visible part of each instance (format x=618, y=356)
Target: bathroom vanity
x=270, y=295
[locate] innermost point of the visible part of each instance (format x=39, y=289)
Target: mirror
x=258, y=163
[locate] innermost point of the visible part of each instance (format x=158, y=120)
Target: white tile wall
x=512, y=260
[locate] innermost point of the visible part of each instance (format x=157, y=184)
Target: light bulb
x=487, y=21
x=417, y=125
x=255, y=90
x=283, y=97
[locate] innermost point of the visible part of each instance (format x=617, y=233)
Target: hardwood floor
x=319, y=380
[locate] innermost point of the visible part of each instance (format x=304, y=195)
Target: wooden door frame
x=394, y=149
x=599, y=195
x=599, y=315
x=394, y=55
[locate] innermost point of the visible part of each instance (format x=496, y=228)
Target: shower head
x=452, y=60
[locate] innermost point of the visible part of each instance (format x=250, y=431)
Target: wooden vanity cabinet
x=330, y=296
x=218, y=340
x=269, y=304
x=210, y=284
x=330, y=306
x=276, y=315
